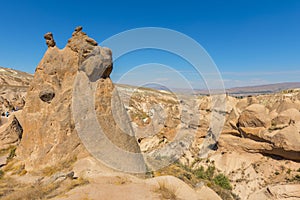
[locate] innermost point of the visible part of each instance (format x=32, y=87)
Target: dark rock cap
x=49, y=39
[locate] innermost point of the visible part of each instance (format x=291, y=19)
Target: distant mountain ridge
x=15, y=78
x=238, y=91
x=263, y=89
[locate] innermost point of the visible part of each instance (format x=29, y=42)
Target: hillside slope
x=13, y=88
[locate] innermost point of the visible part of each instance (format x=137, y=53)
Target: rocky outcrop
x=286, y=104
x=259, y=144
x=13, y=88
x=113, y=186
x=286, y=142
x=276, y=192
x=10, y=133
x=13, y=78
x=49, y=39
x=50, y=134
x=286, y=118
x=255, y=115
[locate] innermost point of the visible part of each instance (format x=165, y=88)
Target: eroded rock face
x=10, y=133
x=14, y=85
x=277, y=192
x=49, y=128
x=255, y=115
x=286, y=118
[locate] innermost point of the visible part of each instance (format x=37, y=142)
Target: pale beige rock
x=287, y=117
x=230, y=126
x=287, y=142
x=298, y=96
x=50, y=136
x=10, y=133
x=242, y=104
x=254, y=133
x=181, y=190
x=115, y=187
x=277, y=192
x=13, y=88
x=286, y=104
x=255, y=115
x=206, y=193
x=149, y=143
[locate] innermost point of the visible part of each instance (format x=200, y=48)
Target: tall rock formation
x=50, y=131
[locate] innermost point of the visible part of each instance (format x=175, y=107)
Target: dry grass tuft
x=76, y=182
x=64, y=165
x=165, y=192
x=10, y=189
x=35, y=191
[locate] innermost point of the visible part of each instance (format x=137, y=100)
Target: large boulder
x=286, y=104
x=255, y=115
x=50, y=129
x=287, y=142
x=287, y=117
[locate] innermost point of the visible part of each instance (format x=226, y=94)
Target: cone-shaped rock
x=58, y=125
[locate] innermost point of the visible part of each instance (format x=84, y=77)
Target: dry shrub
x=61, y=166
x=165, y=192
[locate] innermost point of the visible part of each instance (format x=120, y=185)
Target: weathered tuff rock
x=286, y=118
x=13, y=87
x=255, y=115
x=10, y=133
x=49, y=40
x=287, y=142
x=259, y=140
x=277, y=192
x=49, y=135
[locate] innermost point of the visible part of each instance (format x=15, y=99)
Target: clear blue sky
x=251, y=41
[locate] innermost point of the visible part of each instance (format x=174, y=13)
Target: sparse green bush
x=209, y=176
x=205, y=174
x=12, y=153
x=185, y=167
x=200, y=173
x=297, y=177
x=276, y=173
x=210, y=172
x=222, y=181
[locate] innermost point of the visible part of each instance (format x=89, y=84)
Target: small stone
x=91, y=41
x=78, y=28
x=70, y=175
x=48, y=36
